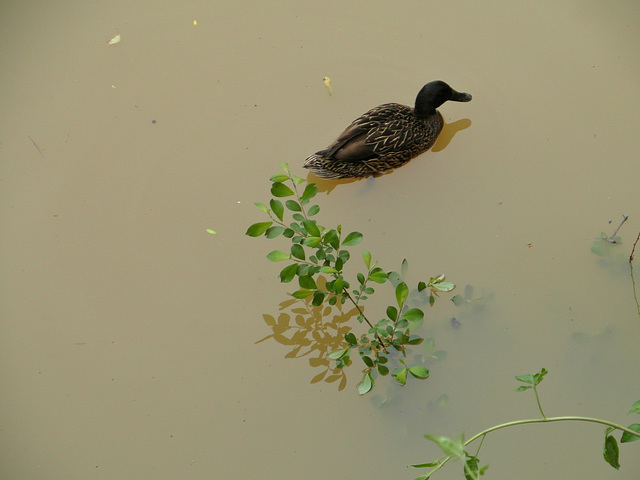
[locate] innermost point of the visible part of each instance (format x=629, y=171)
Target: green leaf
x=332, y=238
x=307, y=281
x=471, y=470
x=528, y=378
x=533, y=379
x=311, y=228
x=392, y=313
x=401, y=375
x=298, y=180
x=522, y=388
x=278, y=256
x=366, y=384
x=312, y=241
x=302, y=293
x=353, y=238
x=279, y=177
x=444, y=286
x=281, y=190
x=344, y=255
x=285, y=167
x=627, y=437
x=297, y=251
x=351, y=339
x=288, y=273
x=378, y=276
x=212, y=232
x=276, y=206
x=367, y=361
x=611, y=452
x=273, y=232
x=366, y=256
x=293, y=206
x=262, y=206
x=425, y=465
x=258, y=229
x=421, y=286
x=338, y=285
x=402, y=292
x=635, y=408
x=451, y=448
x=309, y=192
x=413, y=315
x=338, y=353
x=419, y=371
x=313, y=210
x=328, y=270
x=318, y=298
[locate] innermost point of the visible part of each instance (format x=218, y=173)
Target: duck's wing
x=367, y=136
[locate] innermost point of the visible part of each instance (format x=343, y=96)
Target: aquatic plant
x=317, y=251
x=456, y=449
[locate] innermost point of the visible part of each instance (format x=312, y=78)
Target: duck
x=386, y=137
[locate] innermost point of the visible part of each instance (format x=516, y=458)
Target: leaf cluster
x=317, y=251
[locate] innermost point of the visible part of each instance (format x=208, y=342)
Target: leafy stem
x=455, y=450
x=316, y=258
x=535, y=390
x=441, y=462
x=361, y=313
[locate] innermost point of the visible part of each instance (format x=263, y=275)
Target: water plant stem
x=535, y=390
x=612, y=237
x=444, y=460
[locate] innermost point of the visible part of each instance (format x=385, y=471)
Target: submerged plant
x=604, y=244
x=317, y=257
x=456, y=449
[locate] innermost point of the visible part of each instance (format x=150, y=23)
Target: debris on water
x=455, y=323
x=114, y=40
x=35, y=145
x=327, y=83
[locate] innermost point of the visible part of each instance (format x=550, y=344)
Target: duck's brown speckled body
x=386, y=136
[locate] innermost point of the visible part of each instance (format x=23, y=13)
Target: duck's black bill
x=460, y=96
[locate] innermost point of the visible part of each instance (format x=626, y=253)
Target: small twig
x=633, y=284
x=364, y=317
x=35, y=145
x=611, y=238
x=634, y=248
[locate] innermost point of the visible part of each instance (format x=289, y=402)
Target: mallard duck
x=385, y=137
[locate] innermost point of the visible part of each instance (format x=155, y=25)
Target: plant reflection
x=312, y=332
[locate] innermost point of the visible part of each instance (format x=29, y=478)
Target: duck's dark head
x=434, y=94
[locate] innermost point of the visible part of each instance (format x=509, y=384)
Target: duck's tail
x=318, y=166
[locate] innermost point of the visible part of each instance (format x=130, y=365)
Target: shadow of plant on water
x=313, y=332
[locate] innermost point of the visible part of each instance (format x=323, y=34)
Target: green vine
x=457, y=449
